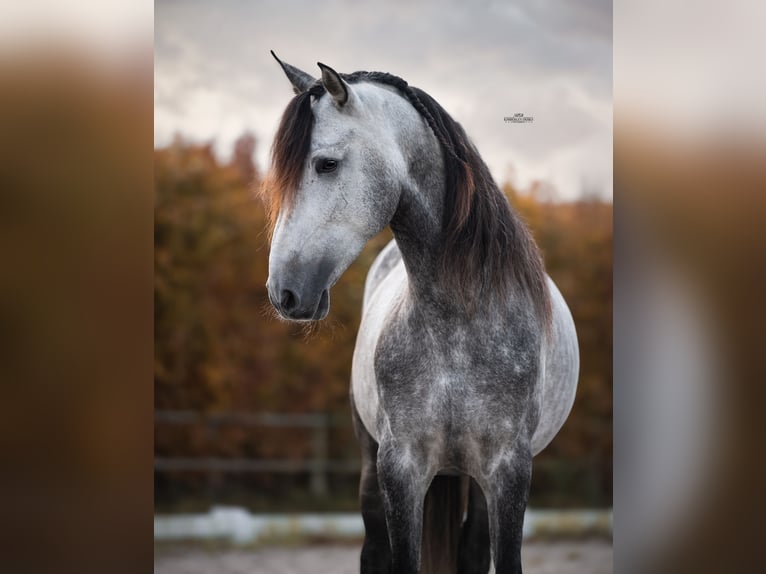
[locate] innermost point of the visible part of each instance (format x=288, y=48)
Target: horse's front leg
x=506, y=489
x=376, y=553
x=403, y=482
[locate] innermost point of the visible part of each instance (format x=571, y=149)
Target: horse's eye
x=326, y=165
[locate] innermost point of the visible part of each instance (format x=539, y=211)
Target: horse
x=466, y=359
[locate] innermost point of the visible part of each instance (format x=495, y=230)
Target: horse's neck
x=418, y=230
x=417, y=224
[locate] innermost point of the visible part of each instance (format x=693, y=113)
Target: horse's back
x=561, y=369
x=386, y=260
x=383, y=288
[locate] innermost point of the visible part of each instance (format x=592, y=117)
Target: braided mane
x=487, y=247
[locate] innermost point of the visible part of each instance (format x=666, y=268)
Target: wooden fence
x=318, y=466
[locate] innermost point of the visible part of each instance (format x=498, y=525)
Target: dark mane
x=487, y=247
x=288, y=153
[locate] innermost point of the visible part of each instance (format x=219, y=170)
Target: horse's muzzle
x=300, y=304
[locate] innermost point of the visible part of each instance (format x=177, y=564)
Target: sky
x=482, y=60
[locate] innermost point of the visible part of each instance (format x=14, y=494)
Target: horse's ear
x=334, y=84
x=300, y=80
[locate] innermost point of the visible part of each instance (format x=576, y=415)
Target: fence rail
x=308, y=420
x=256, y=465
x=318, y=466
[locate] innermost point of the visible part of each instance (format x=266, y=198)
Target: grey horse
x=466, y=360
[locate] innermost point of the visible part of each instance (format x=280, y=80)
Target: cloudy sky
x=482, y=60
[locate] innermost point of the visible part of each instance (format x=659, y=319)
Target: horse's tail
x=443, y=510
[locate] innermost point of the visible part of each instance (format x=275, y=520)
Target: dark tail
x=443, y=510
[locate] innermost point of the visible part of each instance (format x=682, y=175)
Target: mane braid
x=487, y=249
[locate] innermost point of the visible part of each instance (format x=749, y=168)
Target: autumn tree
x=219, y=346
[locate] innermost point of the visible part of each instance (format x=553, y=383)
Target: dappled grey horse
x=466, y=359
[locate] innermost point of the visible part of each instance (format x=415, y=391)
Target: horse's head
x=336, y=180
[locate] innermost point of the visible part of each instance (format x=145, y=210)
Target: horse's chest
x=439, y=383
x=453, y=388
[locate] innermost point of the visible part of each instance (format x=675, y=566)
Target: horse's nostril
x=288, y=301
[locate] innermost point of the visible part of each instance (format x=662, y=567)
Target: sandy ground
x=581, y=557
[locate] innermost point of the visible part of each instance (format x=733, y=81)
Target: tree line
x=219, y=347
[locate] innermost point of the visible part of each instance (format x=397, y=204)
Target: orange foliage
x=218, y=345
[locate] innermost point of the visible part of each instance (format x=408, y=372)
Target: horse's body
x=466, y=358
x=454, y=353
